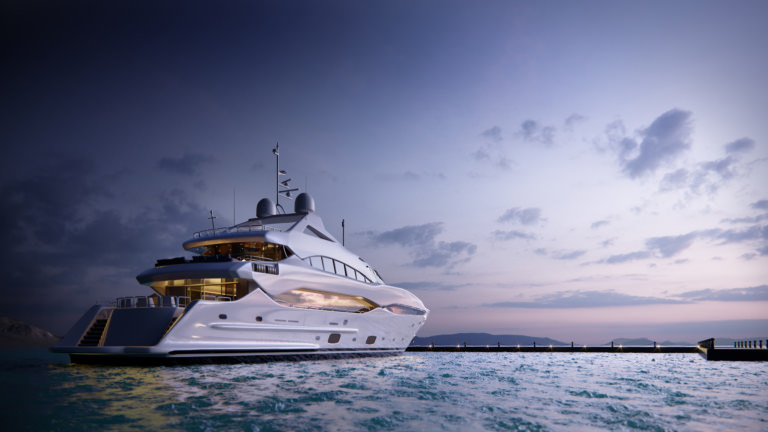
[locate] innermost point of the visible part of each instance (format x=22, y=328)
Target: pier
x=706, y=348
x=555, y=348
x=742, y=351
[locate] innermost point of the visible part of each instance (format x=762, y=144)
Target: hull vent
x=266, y=268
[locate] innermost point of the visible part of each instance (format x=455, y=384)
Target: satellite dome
x=305, y=203
x=265, y=208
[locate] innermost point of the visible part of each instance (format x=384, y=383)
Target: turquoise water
x=419, y=391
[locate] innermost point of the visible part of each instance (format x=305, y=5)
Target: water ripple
x=414, y=392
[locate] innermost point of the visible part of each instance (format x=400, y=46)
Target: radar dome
x=265, y=208
x=305, y=203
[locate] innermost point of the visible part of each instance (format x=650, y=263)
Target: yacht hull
x=254, y=329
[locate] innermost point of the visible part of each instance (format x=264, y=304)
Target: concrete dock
x=706, y=348
x=556, y=348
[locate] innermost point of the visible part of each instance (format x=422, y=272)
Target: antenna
x=213, y=227
x=234, y=202
x=286, y=192
x=342, y=232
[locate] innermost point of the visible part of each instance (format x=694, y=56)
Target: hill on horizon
x=646, y=342
x=484, y=339
x=16, y=333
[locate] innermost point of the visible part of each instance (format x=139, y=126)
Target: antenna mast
x=286, y=193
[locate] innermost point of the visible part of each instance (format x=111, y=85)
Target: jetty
x=741, y=351
x=706, y=348
x=658, y=349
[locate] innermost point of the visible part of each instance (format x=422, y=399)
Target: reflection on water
x=424, y=391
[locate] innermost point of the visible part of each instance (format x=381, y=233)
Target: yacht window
x=370, y=340
x=334, y=338
x=208, y=288
x=404, y=310
x=317, y=262
x=350, y=271
x=360, y=276
x=314, y=299
x=328, y=265
x=250, y=251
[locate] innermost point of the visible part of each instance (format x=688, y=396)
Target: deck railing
x=212, y=232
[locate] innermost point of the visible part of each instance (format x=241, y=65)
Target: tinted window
x=328, y=265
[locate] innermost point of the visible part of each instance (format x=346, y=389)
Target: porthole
x=334, y=338
x=222, y=316
x=370, y=340
x=258, y=319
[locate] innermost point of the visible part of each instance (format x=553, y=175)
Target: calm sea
x=419, y=391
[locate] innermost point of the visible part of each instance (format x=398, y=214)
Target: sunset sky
x=577, y=170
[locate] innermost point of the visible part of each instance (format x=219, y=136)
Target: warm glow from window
x=206, y=289
x=313, y=299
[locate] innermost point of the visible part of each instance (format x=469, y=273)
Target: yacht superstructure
x=274, y=286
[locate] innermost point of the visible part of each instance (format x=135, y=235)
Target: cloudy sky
x=577, y=170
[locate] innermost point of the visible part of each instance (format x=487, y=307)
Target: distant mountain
x=484, y=339
x=645, y=342
x=13, y=332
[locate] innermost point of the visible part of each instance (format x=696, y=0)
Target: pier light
x=550, y=346
x=518, y=346
x=621, y=346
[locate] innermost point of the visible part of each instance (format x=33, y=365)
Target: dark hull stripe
x=230, y=356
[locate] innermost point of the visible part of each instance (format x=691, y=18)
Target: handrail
x=151, y=301
x=250, y=228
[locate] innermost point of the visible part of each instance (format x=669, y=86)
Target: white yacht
x=275, y=286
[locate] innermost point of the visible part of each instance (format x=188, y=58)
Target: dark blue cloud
x=622, y=258
x=585, y=299
x=189, y=164
x=444, y=254
x=425, y=251
x=669, y=246
x=573, y=120
x=567, y=255
x=742, y=145
x=596, y=299
x=411, y=235
x=675, y=180
x=513, y=235
x=560, y=254
x=756, y=293
x=760, y=205
x=491, y=150
x=429, y=286
x=493, y=134
x=66, y=219
x=664, y=140
x=527, y=216
x=532, y=131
